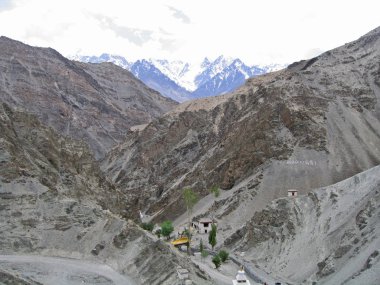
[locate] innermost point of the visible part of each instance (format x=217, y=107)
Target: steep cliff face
x=95, y=103
x=331, y=235
x=54, y=201
x=311, y=125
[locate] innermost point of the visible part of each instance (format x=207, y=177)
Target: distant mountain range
x=183, y=81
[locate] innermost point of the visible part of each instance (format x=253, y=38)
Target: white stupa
x=241, y=278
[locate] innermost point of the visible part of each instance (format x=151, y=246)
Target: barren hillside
x=95, y=103
x=330, y=236
x=54, y=201
x=310, y=125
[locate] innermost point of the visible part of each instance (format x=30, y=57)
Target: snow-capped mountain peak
x=182, y=80
x=176, y=70
x=212, y=68
x=206, y=62
x=223, y=75
x=104, y=57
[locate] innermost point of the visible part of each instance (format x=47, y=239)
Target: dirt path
x=61, y=271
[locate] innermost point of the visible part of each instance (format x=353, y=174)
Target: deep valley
x=93, y=161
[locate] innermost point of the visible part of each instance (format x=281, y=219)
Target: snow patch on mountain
x=272, y=67
x=178, y=71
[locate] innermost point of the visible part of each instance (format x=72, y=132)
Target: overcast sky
x=265, y=31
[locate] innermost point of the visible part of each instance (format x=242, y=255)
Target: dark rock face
x=317, y=122
x=94, y=103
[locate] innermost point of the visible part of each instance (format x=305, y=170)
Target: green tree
x=190, y=198
x=201, y=245
x=212, y=236
x=186, y=233
x=223, y=255
x=215, y=190
x=147, y=226
x=216, y=260
x=204, y=255
x=167, y=228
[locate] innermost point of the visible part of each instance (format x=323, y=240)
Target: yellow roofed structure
x=180, y=241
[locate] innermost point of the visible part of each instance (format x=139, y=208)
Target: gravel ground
x=61, y=271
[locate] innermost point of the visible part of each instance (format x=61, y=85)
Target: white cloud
x=134, y=35
x=180, y=15
x=256, y=31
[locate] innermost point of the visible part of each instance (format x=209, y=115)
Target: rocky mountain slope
x=94, y=103
x=54, y=201
x=329, y=236
x=311, y=125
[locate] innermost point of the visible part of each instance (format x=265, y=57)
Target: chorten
x=241, y=278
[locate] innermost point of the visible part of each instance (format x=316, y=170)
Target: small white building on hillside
x=240, y=278
x=292, y=193
x=203, y=226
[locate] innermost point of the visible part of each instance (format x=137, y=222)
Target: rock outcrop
x=313, y=124
x=96, y=103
